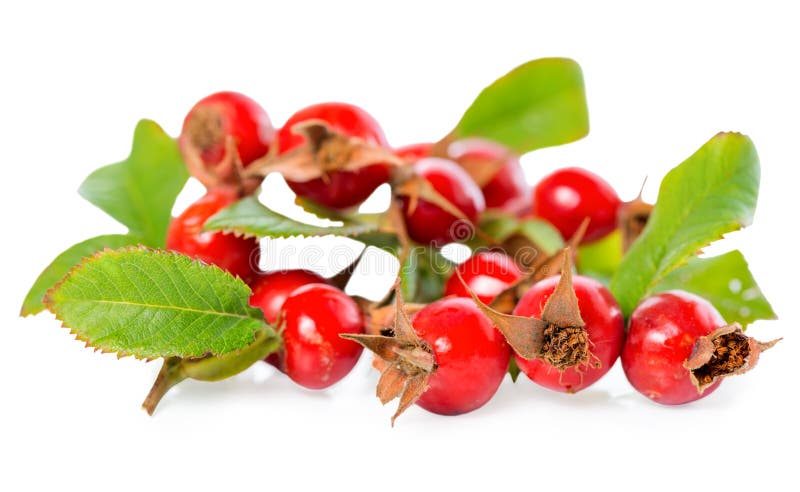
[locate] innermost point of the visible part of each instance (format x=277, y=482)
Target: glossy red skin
x=242, y=118
x=662, y=333
x=567, y=196
x=314, y=316
x=472, y=356
x=340, y=189
x=604, y=326
x=429, y=224
x=237, y=255
x=414, y=152
x=507, y=190
x=270, y=290
x=487, y=273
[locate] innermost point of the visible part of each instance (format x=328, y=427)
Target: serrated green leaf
x=726, y=282
x=151, y=304
x=383, y=240
x=251, y=218
x=141, y=190
x=600, y=259
x=64, y=262
x=539, y=104
x=711, y=193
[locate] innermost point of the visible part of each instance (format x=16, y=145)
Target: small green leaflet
x=726, y=282
x=141, y=190
x=150, y=304
x=539, y=232
x=711, y=193
x=539, y=104
x=251, y=218
x=64, y=262
x=601, y=258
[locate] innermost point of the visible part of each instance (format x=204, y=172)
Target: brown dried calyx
x=325, y=151
x=405, y=360
x=559, y=337
x=725, y=352
x=229, y=171
x=540, y=268
x=632, y=218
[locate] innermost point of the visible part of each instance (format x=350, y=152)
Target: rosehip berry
x=237, y=255
x=507, y=189
x=603, y=326
x=566, y=197
x=428, y=223
x=224, y=114
x=471, y=356
x=414, y=152
x=313, y=317
x=337, y=189
x=662, y=333
x=487, y=273
x=270, y=290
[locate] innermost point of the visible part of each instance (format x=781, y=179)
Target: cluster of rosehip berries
x=449, y=356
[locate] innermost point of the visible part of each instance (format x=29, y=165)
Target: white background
x=660, y=81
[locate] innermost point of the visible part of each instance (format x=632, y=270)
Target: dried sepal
x=725, y=352
x=632, y=218
x=541, y=268
x=324, y=152
x=228, y=172
x=380, y=320
x=404, y=359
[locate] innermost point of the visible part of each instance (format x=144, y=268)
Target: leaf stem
x=169, y=376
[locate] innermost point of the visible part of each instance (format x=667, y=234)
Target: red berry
x=604, y=327
x=471, y=356
x=313, y=318
x=427, y=223
x=338, y=189
x=270, y=290
x=507, y=190
x=225, y=114
x=487, y=273
x=237, y=255
x=662, y=334
x=566, y=197
x=414, y=152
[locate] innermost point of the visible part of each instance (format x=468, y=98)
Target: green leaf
x=726, y=282
x=64, y=262
x=539, y=104
x=600, y=259
x=711, y=193
x=251, y=218
x=150, y=304
x=383, y=240
x=423, y=275
x=141, y=190
x=539, y=232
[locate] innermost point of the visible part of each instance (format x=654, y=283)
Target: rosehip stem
x=210, y=368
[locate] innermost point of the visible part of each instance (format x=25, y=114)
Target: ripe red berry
x=566, y=197
x=506, y=190
x=237, y=255
x=428, y=223
x=224, y=114
x=313, y=317
x=603, y=325
x=487, y=273
x=471, y=356
x=338, y=189
x=414, y=152
x=662, y=334
x=270, y=290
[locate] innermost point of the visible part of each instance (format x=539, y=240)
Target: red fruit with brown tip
x=270, y=290
x=603, y=326
x=224, y=114
x=486, y=273
x=427, y=222
x=337, y=189
x=313, y=317
x=237, y=255
x=662, y=333
x=568, y=196
x=471, y=356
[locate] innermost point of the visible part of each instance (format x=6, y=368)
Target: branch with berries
x=563, y=279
